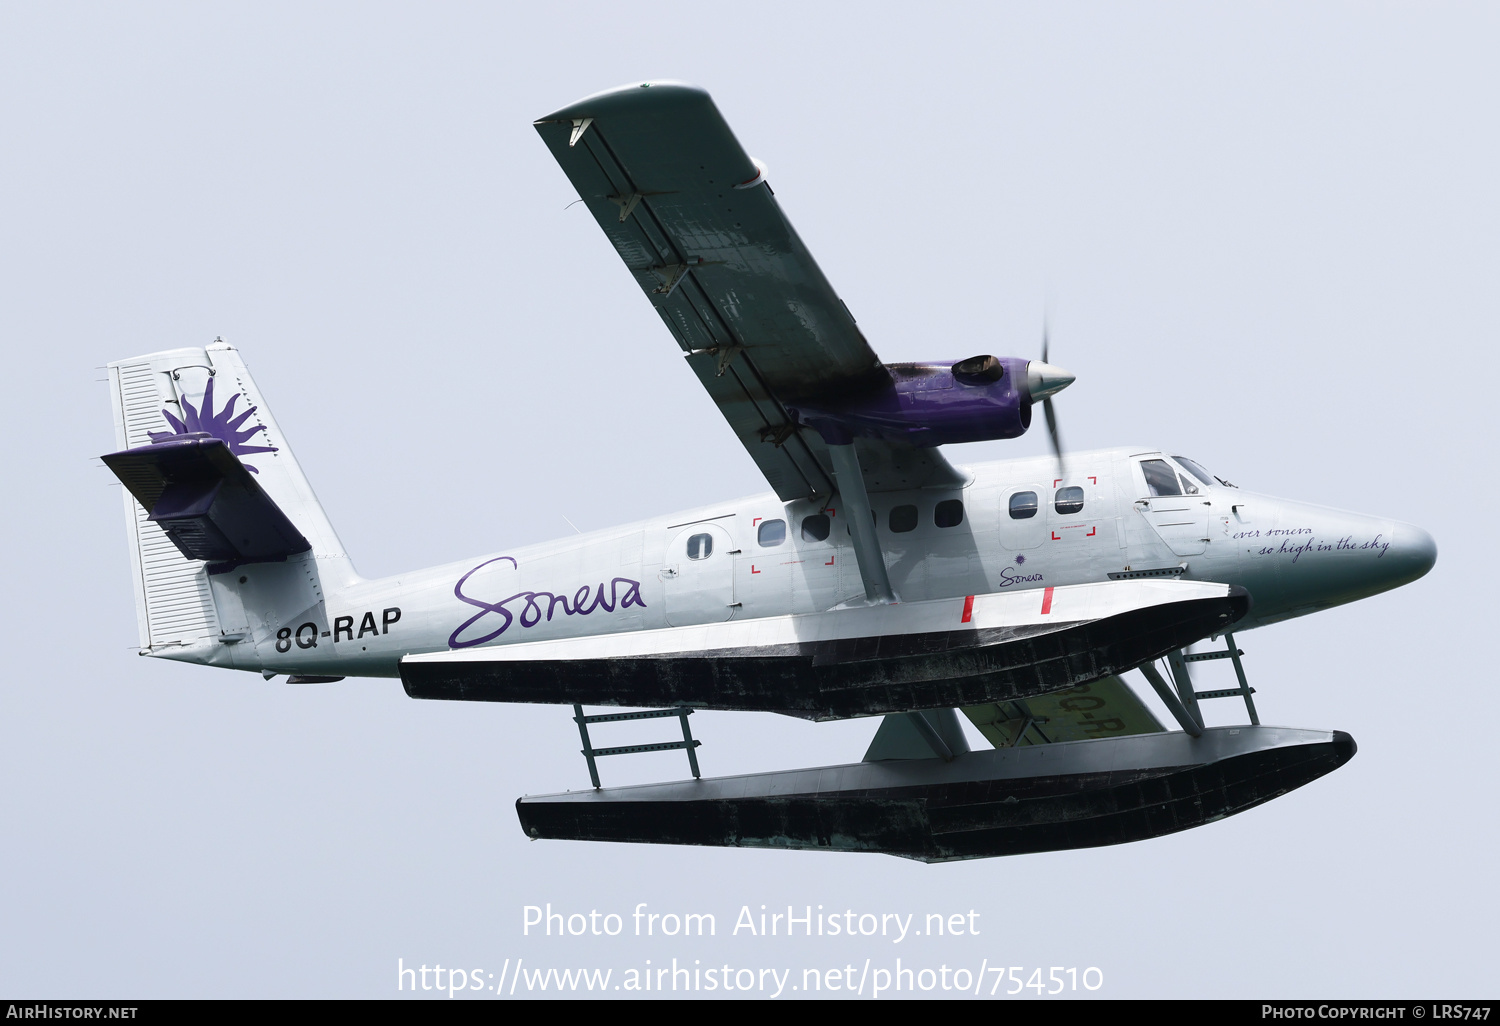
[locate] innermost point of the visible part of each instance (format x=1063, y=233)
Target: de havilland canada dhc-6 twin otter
x=875, y=579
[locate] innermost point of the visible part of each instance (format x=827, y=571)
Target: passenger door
x=698, y=574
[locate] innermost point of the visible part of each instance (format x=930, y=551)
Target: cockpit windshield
x=1202, y=475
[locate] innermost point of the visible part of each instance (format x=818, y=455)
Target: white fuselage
x=312, y=616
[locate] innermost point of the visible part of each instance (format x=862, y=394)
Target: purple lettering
x=531, y=611
x=1008, y=577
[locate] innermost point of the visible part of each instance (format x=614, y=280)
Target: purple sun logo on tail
x=223, y=425
x=1020, y=560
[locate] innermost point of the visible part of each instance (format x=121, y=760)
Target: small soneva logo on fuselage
x=1009, y=578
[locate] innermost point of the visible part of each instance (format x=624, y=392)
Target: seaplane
x=873, y=579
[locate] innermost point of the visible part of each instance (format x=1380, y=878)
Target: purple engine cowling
x=926, y=404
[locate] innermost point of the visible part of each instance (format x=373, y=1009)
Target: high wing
x=690, y=213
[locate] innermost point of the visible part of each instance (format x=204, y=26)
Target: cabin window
x=1068, y=500
x=815, y=528
x=903, y=519
x=949, y=513
x=1023, y=505
x=1159, y=478
x=700, y=546
x=771, y=533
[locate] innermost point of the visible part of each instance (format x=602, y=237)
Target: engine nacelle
x=926, y=404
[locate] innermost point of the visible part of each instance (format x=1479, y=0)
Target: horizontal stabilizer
x=205, y=500
x=943, y=653
x=1009, y=801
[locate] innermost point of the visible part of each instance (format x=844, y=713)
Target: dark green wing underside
x=660, y=171
x=1105, y=708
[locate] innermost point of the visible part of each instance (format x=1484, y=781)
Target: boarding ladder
x=590, y=753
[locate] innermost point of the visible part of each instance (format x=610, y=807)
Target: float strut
x=1164, y=691
x=1184, y=682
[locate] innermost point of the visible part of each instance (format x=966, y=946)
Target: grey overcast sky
x=1268, y=238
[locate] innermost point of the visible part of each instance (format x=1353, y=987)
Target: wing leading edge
x=690, y=214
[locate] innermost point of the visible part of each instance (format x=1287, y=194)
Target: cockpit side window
x=1160, y=480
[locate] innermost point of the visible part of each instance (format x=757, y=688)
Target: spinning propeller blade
x=1044, y=381
x=1057, y=449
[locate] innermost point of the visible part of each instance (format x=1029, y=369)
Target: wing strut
x=851, y=484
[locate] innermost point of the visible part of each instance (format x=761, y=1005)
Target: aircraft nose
x=1414, y=552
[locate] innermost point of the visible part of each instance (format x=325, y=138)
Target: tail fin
x=185, y=612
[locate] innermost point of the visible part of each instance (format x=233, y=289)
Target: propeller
x=1044, y=381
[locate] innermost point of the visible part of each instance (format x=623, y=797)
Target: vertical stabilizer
x=187, y=608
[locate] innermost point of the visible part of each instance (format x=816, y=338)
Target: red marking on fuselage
x=755, y=521
x=830, y=561
x=1055, y=481
x=1046, y=601
x=753, y=570
x=1094, y=479
x=1092, y=531
x=1055, y=536
x=968, y=609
